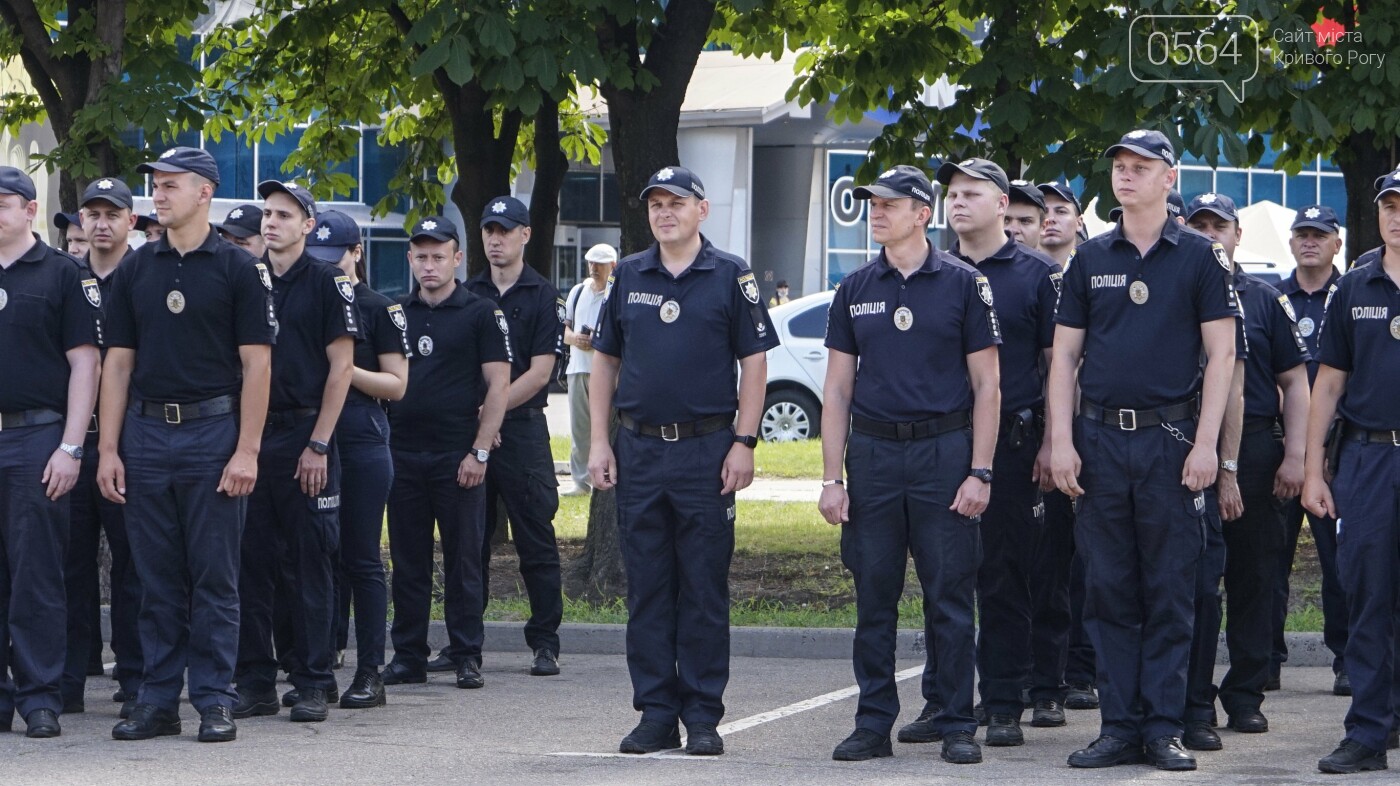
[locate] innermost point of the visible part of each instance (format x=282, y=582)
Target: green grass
x=801, y=459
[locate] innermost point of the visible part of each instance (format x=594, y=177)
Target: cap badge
x=1020, y=182
x=1208, y=199
x=323, y=234
x=428, y=226
x=666, y=174
x=968, y=162
x=498, y=208
x=104, y=185
x=886, y=173
x=1138, y=134
x=168, y=153
x=235, y=214
x=291, y=186
x=1312, y=212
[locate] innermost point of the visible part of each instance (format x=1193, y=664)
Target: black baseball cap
x=678, y=180
x=335, y=234
x=1146, y=143
x=1063, y=191
x=1176, y=205
x=899, y=182
x=15, y=181
x=296, y=191
x=1385, y=184
x=63, y=220
x=110, y=190
x=507, y=211
x=183, y=159
x=1219, y=204
x=979, y=168
x=243, y=221
x=434, y=228
x=1026, y=192
x=1318, y=217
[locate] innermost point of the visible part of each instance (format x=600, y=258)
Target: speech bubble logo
x=1194, y=49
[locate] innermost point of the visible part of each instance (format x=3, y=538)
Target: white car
x=792, y=408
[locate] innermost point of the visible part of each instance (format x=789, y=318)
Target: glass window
x=272, y=154
x=235, y=160
x=388, y=265
x=578, y=198
x=1302, y=190
x=612, y=199
x=381, y=162
x=1334, y=195
x=1265, y=185
x=1232, y=184
x=1195, y=181
x=810, y=323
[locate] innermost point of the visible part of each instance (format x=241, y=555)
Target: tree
x=95, y=66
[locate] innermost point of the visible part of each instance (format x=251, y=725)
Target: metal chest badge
x=1306, y=326
x=425, y=346
x=4, y=299
x=903, y=318
x=175, y=301
x=1395, y=328
x=670, y=311
x=1139, y=292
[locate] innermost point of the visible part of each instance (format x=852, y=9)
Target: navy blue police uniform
x=287, y=530
x=1141, y=312
x=92, y=516
x=678, y=339
x=47, y=307
x=909, y=450
x=520, y=475
x=431, y=432
x=185, y=316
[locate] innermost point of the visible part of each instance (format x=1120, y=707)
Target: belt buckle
x=675, y=432
x=904, y=431
x=1131, y=424
x=168, y=408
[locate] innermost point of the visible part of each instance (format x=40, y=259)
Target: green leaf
x=433, y=58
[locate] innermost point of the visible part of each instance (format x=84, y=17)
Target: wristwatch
x=981, y=473
x=481, y=455
x=318, y=447
x=1230, y=465
x=76, y=451
x=833, y=482
x=747, y=440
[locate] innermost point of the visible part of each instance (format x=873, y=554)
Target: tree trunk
x=550, y=166
x=1361, y=160
x=483, y=158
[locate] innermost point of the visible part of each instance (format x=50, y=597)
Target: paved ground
x=784, y=718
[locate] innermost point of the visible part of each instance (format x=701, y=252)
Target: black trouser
x=520, y=476
x=1205, y=629
x=425, y=492
x=1334, y=600
x=1051, y=615
x=1253, y=545
x=1081, y=667
x=367, y=472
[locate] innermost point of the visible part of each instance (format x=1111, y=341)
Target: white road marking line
x=747, y=723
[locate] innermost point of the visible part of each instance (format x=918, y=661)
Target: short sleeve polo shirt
x=315, y=306
x=49, y=306
x=1362, y=337
x=1271, y=330
x=535, y=313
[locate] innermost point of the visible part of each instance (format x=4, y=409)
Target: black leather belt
x=919, y=429
x=1134, y=419
x=524, y=413
x=674, y=431
x=286, y=418
x=1354, y=434
x=1256, y=425
x=29, y=417
x=175, y=414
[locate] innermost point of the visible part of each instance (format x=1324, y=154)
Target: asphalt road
x=783, y=719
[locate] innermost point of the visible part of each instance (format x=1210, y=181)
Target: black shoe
x=545, y=664
x=1003, y=731
x=960, y=748
x=863, y=744
x=650, y=737
x=74, y=706
x=442, y=663
x=1341, y=686
x=701, y=739
x=251, y=704
x=1047, y=713
x=366, y=690
x=469, y=675
x=1080, y=696
x=41, y=725
x=310, y=707
x=126, y=709
x=921, y=729
x=1352, y=756
x=1249, y=722
x=216, y=725
x=1199, y=736
x=147, y=721
x=120, y=696
x=398, y=674
x=1107, y=751
x=1166, y=753
x=293, y=696
x=980, y=713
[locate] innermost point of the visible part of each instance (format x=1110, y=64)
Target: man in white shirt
x=581, y=316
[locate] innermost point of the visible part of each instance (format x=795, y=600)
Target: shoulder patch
x=561, y=309
x=501, y=322
x=397, y=316
x=1068, y=260
x=984, y=289
x=749, y=287
x=345, y=288
x=1057, y=280
x=92, y=292
x=1327, y=304
x=1220, y=257
x=1287, y=307
x=263, y=275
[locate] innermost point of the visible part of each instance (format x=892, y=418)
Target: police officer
x=243, y=228
x=1268, y=470
x=48, y=384
x=919, y=458
x=1360, y=358
x=1315, y=240
x=521, y=474
x=184, y=395
x=680, y=315
x=107, y=221
x=362, y=442
x=1139, y=304
x=70, y=225
x=149, y=227
x=1064, y=219
x=294, y=511
x=441, y=446
x=1025, y=213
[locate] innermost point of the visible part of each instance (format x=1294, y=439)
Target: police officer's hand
x=602, y=466
x=111, y=477
x=240, y=474
x=1200, y=469
x=737, y=472
x=835, y=505
x=1041, y=473
x=1288, y=481
x=1317, y=497
x=311, y=471
x=1064, y=469
x=972, y=497
x=60, y=474
x=470, y=472
x=1227, y=488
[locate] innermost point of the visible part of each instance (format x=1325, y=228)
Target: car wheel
x=789, y=415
